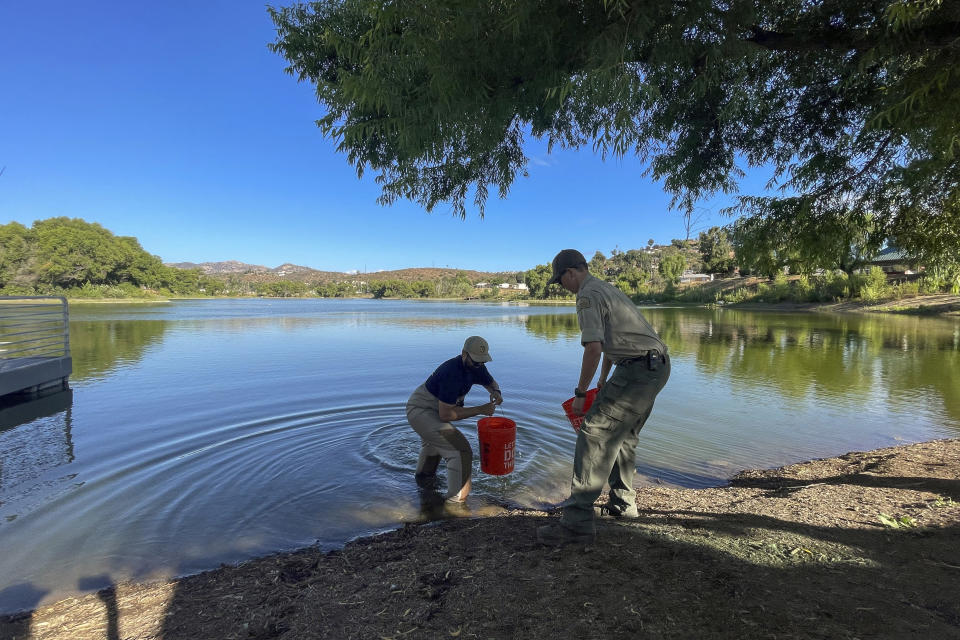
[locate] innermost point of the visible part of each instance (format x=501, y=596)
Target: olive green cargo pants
x=606, y=449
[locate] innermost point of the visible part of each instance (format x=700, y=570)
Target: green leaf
x=889, y=521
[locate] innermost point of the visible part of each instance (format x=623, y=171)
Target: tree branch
x=866, y=167
x=935, y=36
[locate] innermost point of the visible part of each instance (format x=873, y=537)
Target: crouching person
x=438, y=402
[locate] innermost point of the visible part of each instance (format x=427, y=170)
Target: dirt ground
x=940, y=304
x=937, y=304
x=866, y=545
x=933, y=305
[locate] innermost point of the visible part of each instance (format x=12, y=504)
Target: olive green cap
x=478, y=349
x=566, y=259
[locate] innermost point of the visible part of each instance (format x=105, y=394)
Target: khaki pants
x=439, y=439
x=607, y=443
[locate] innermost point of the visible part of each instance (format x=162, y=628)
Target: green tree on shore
x=536, y=280
x=807, y=243
x=716, y=250
x=59, y=255
x=598, y=265
x=672, y=265
x=16, y=259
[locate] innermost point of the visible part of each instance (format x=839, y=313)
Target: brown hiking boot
x=557, y=535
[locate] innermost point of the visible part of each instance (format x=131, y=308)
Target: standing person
x=438, y=402
x=615, y=332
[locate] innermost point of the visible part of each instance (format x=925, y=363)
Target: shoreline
x=866, y=544
x=932, y=305
x=928, y=305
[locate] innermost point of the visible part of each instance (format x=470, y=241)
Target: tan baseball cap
x=478, y=349
x=566, y=259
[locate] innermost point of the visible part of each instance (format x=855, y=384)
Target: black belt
x=653, y=353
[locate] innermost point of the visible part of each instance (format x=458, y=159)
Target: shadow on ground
x=797, y=552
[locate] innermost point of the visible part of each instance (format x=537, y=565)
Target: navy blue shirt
x=453, y=379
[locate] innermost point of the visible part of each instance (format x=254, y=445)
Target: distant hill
x=433, y=273
x=288, y=271
x=228, y=267
x=220, y=268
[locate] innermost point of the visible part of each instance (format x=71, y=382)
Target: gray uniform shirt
x=608, y=316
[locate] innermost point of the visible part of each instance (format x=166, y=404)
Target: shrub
x=740, y=295
x=932, y=283
x=873, y=285
x=17, y=290
x=803, y=291
x=944, y=278
x=781, y=288
x=832, y=286
x=905, y=290
x=91, y=291
x=763, y=292
x=669, y=292
x=696, y=293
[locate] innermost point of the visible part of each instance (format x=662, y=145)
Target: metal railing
x=33, y=329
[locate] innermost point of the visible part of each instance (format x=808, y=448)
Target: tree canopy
x=854, y=104
x=62, y=254
x=716, y=251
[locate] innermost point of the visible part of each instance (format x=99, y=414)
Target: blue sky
x=172, y=122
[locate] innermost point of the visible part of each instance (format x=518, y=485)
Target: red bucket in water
x=576, y=420
x=497, y=437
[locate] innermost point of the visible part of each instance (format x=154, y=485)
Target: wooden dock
x=34, y=344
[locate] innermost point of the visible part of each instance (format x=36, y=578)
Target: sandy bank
x=865, y=545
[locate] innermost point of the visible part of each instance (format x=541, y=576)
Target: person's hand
x=578, y=406
x=496, y=397
x=488, y=409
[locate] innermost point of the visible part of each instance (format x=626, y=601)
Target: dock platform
x=34, y=344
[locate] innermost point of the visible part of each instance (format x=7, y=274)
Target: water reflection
x=31, y=446
x=553, y=326
x=827, y=356
x=98, y=348
x=802, y=355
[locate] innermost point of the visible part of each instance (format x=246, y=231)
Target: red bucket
x=497, y=437
x=576, y=420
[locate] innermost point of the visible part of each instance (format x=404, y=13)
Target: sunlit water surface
x=206, y=432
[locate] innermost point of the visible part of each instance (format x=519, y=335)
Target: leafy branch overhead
x=855, y=105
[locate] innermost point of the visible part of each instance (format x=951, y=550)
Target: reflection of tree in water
x=934, y=371
x=826, y=355
x=553, y=326
x=98, y=347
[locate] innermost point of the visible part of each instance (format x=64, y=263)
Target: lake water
x=205, y=432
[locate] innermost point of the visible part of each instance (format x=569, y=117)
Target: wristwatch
x=579, y=394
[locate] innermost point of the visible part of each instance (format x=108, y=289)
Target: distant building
x=689, y=276
x=504, y=285
x=895, y=261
